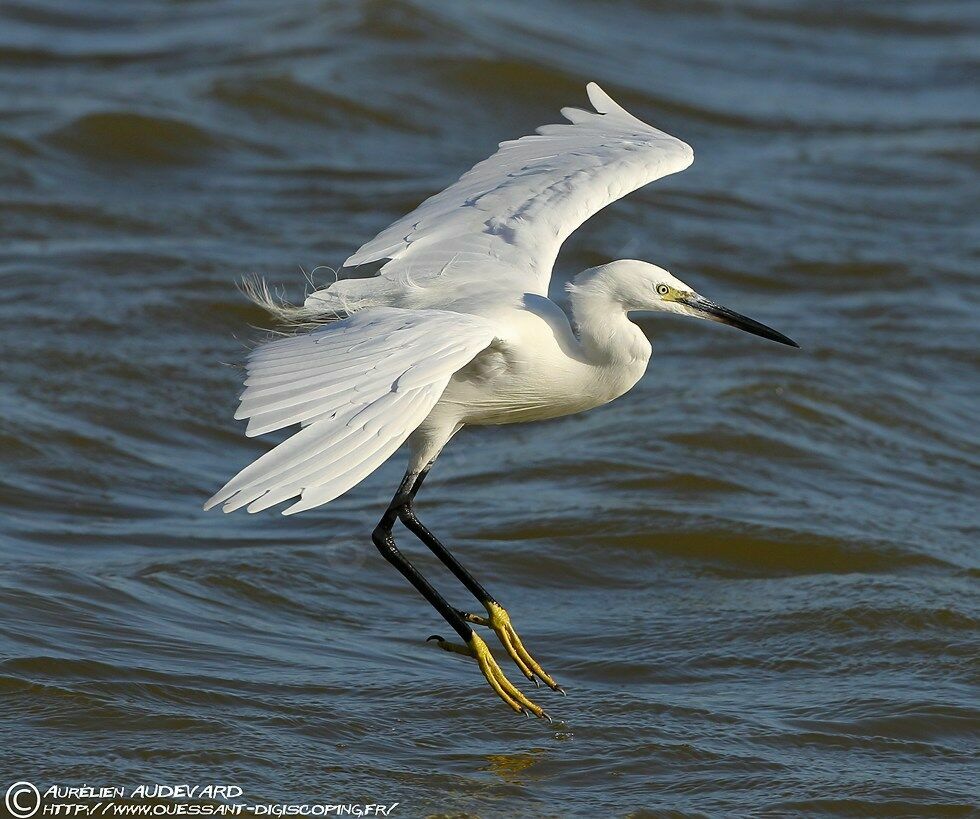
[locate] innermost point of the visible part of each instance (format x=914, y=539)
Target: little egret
x=455, y=327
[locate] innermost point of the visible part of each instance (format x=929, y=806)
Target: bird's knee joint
x=382, y=539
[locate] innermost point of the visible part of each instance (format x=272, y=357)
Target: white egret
x=456, y=328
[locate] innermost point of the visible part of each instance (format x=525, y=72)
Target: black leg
x=475, y=647
x=406, y=513
x=498, y=619
x=385, y=541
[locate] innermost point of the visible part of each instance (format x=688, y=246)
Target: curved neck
x=604, y=330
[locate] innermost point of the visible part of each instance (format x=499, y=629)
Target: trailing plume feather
x=292, y=317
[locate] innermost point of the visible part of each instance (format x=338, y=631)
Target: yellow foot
x=499, y=621
x=505, y=689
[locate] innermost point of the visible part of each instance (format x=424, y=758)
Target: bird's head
x=637, y=285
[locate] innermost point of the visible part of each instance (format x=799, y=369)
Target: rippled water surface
x=756, y=574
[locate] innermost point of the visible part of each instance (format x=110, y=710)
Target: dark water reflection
x=756, y=574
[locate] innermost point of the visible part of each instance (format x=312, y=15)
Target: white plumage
x=496, y=232
x=456, y=328
x=360, y=386
x=457, y=265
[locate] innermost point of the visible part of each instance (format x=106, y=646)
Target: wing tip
x=600, y=100
x=213, y=501
x=604, y=104
x=687, y=153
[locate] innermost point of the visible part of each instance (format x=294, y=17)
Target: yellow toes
x=505, y=689
x=499, y=621
x=454, y=648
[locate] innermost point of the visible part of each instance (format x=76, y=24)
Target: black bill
x=715, y=312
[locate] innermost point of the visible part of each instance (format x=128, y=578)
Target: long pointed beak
x=707, y=309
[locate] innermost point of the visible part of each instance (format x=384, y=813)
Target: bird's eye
x=663, y=289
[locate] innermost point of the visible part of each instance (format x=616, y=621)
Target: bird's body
x=457, y=329
x=537, y=368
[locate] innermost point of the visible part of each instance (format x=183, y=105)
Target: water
x=756, y=574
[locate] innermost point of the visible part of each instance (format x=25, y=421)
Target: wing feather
x=511, y=213
x=356, y=415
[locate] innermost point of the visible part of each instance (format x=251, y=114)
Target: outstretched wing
x=359, y=386
x=517, y=207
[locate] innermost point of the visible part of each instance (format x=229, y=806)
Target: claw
x=499, y=621
x=504, y=688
